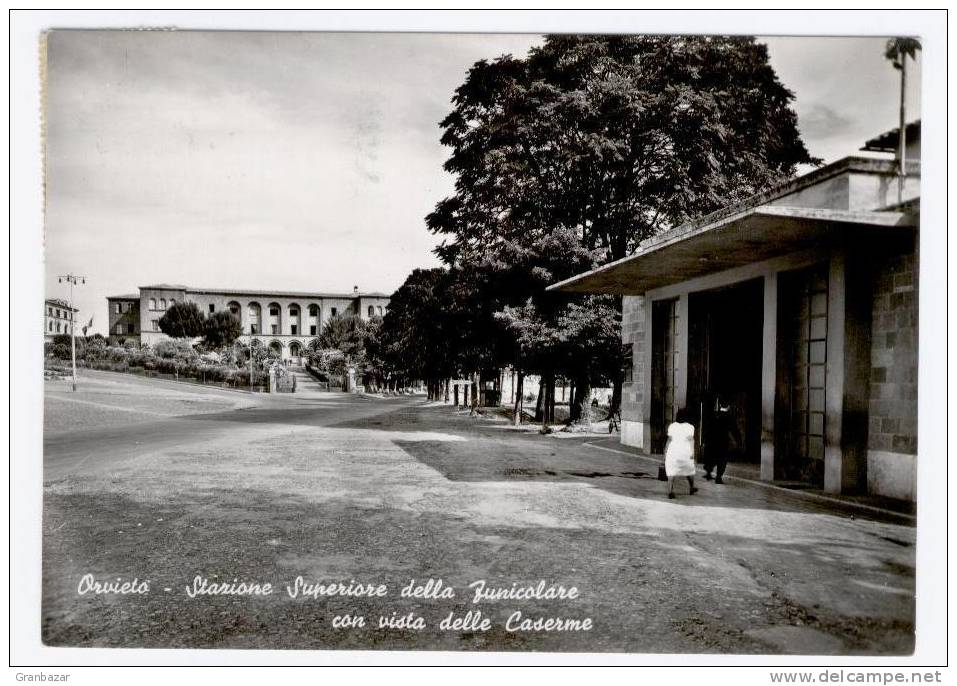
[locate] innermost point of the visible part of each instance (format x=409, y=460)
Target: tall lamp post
x=73, y=281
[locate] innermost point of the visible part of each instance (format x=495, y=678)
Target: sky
x=308, y=161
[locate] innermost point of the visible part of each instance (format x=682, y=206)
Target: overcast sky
x=300, y=161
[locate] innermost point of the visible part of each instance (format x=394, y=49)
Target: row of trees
x=185, y=320
x=564, y=160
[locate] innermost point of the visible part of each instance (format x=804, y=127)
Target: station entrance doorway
x=725, y=351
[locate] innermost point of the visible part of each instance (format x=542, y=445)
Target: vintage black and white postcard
x=480, y=342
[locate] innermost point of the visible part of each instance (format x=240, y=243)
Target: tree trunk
x=551, y=399
x=455, y=393
x=548, y=401
x=446, y=397
x=517, y=394
x=539, y=402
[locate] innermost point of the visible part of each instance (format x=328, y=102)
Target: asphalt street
x=346, y=489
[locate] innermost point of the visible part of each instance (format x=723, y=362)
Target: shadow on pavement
x=490, y=454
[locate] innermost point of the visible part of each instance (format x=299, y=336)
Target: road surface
x=341, y=489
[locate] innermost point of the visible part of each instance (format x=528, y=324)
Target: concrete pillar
x=769, y=374
x=834, y=379
x=646, y=377
x=848, y=373
x=681, y=365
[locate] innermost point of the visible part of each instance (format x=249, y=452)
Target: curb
x=764, y=484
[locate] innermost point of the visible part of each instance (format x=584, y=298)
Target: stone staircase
x=305, y=383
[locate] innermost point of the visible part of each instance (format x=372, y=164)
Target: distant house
x=799, y=307
x=283, y=320
x=58, y=317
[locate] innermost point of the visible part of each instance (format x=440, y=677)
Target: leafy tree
x=221, y=329
x=589, y=145
x=182, y=320
x=413, y=341
x=342, y=332
x=372, y=362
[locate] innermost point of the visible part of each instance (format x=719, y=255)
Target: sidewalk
x=748, y=475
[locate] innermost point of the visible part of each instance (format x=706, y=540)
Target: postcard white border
x=27, y=283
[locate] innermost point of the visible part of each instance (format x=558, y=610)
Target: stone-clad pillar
x=769, y=374
x=681, y=364
x=848, y=373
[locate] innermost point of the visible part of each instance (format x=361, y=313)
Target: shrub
x=117, y=354
x=61, y=351
x=179, y=350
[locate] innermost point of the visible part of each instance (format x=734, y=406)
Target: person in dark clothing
x=720, y=430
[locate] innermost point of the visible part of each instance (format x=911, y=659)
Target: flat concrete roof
x=749, y=235
x=264, y=292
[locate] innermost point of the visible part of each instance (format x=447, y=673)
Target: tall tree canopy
x=182, y=320
x=415, y=341
x=612, y=137
x=342, y=332
x=221, y=328
x=571, y=156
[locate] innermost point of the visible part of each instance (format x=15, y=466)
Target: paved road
x=123, y=417
x=341, y=489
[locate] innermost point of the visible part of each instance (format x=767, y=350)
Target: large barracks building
x=286, y=321
x=798, y=307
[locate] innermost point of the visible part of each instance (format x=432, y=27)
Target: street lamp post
x=73, y=281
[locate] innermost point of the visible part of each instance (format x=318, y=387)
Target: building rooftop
x=132, y=296
x=60, y=303
x=889, y=140
x=285, y=294
x=758, y=228
x=264, y=292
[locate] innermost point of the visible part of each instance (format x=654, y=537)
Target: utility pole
x=73, y=281
x=902, y=139
x=897, y=51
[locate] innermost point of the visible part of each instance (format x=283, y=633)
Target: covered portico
x=770, y=305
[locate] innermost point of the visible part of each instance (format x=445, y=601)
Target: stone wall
x=634, y=395
x=892, y=429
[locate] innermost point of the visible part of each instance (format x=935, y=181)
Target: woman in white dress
x=679, y=452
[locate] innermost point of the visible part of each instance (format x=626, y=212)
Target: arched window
x=255, y=312
x=275, y=319
x=371, y=310
x=313, y=310
x=380, y=310
x=152, y=303
x=172, y=302
x=162, y=303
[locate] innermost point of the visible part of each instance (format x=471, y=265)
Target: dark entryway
x=725, y=350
